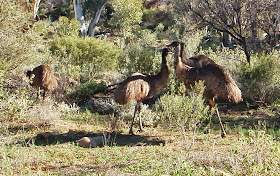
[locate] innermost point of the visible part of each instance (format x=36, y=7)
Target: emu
x=44, y=79
x=141, y=86
x=218, y=82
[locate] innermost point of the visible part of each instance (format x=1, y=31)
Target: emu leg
x=140, y=119
x=212, y=104
x=221, y=124
x=44, y=94
x=38, y=93
x=137, y=108
x=132, y=123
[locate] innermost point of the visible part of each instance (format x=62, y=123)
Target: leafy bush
x=260, y=80
x=86, y=90
x=184, y=112
x=66, y=27
x=140, y=60
x=155, y=16
x=75, y=50
x=126, y=14
x=210, y=41
x=19, y=44
x=81, y=57
x=62, y=8
x=138, y=55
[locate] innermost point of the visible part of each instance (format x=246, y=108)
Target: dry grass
x=157, y=151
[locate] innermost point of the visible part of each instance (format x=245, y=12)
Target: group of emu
x=138, y=87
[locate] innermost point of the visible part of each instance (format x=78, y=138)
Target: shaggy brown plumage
x=218, y=82
x=194, y=61
x=140, y=87
x=44, y=79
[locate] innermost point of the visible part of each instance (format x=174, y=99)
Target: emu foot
x=223, y=135
x=141, y=130
x=131, y=132
x=207, y=131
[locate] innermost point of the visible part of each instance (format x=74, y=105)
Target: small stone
x=88, y=142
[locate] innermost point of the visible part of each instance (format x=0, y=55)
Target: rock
x=91, y=142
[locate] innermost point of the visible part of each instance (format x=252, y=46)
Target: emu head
x=165, y=51
x=28, y=74
x=174, y=44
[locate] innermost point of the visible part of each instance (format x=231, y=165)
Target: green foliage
x=62, y=8
x=184, y=112
x=100, y=54
x=20, y=44
x=67, y=27
x=87, y=90
x=11, y=14
x=138, y=55
x=192, y=40
x=260, y=80
x=140, y=59
x=157, y=16
x=13, y=104
x=92, y=5
x=127, y=14
x=14, y=19
x=209, y=41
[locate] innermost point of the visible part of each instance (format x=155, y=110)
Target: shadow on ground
x=250, y=118
x=111, y=139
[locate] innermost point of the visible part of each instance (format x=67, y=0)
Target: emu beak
x=169, y=51
x=173, y=44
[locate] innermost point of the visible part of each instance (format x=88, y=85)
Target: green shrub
x=184, y=112
x=18, y=42
x=86, y=90
x=138, y=55
x=62, y=8
x=212, y=42
x=140, y=60
x=100, y=54
x=260, y=80
x=126, y=14
x=66, y=27
x=154, y=16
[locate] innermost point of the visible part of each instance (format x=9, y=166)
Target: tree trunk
x=94, y=21
x=225, y=39
x=36, y=8
x=79, y=15
x=277, y=21
x=255, y=44
x=246, y=51
x=278, y=18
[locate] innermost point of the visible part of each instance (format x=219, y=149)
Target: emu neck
x=160, y=80
x=164, y=70
x=177, y=59
x=182, y=52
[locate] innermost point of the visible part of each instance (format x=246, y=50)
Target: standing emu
x=218, y=82
x=44, y=79
x=141, y=86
